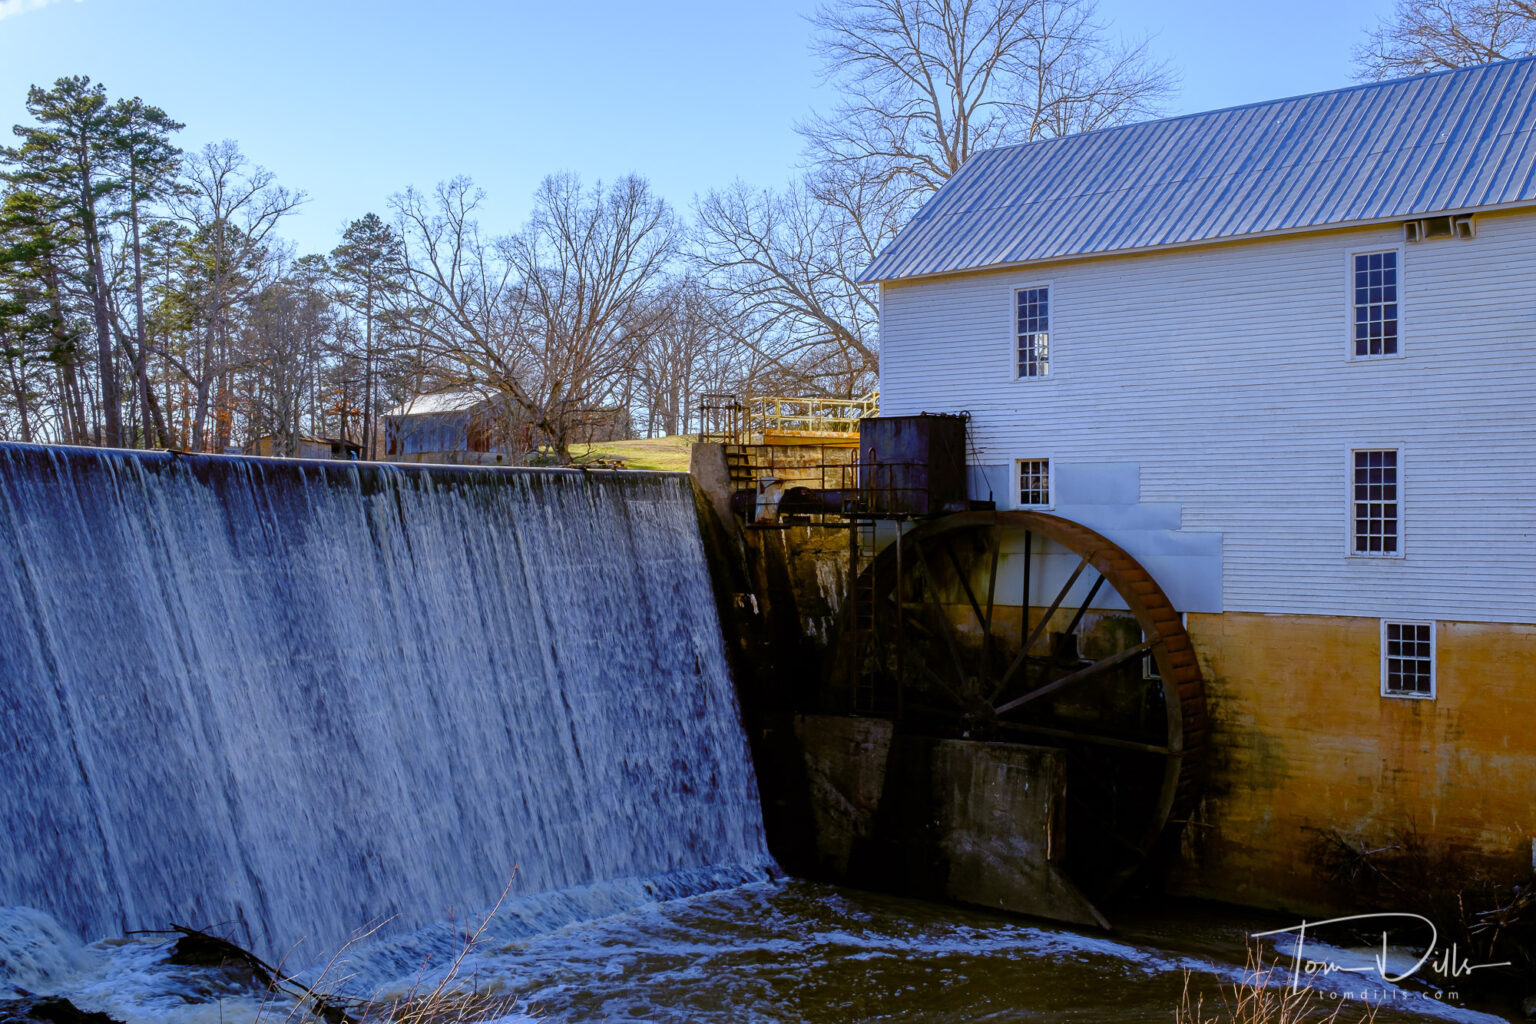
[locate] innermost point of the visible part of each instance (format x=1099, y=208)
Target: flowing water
x=779, y=952
x=292, y=698
x=283, y=700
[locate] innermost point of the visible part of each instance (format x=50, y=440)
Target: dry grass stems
x=1265, y=995
x=456, y=997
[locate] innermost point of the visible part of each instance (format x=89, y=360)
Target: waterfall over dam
x=292, y=698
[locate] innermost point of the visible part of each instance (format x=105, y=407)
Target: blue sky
x=353, y=101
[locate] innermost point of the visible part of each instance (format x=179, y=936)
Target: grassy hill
x=647, y=453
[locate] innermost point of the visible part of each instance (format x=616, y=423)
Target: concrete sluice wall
x=845, y=797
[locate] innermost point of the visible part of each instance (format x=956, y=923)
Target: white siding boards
x=1223, y=378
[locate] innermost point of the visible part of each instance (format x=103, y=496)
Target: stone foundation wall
x=1303, y=745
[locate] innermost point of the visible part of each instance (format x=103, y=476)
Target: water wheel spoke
x=1061, y=595
x=1082, y=609
x=1090, y=738
x=942, y=683
x=1029, y=551
x=1086, y=672
x=946, y=711
x=1077, y=620
x=945, y=626
x=965, y=585
x=1034, y=635
x=995, y=538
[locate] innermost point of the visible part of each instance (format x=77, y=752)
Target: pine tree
x=38, y=329
x=67, y=157
x=147, y=164
x=369, y=264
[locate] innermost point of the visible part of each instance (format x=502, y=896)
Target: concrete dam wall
x=294, y=698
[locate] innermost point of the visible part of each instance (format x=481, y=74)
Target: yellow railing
x=778, y=414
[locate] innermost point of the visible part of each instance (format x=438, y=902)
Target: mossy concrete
x=977, y=823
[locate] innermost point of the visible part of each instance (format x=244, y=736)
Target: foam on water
x=800, y=952
x=776, y=951
x=37, y=955
x=286, y=699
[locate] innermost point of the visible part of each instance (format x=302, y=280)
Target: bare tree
x=282, y=339
x=232, y=208
x=927, y=83
x=687, y=346
x=544, y=317
x=147, y=164
x=1434, y=35
x=587, y=260
x=466, y=302
x=786, y=263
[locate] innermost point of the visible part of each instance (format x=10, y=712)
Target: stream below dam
x=771, y=951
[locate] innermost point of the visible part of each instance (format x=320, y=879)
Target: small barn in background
x=273, y=446
x=479, y=426
x=456, y=425
x=604, y=423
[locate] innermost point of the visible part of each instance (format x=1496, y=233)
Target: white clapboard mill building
x=1285, y=355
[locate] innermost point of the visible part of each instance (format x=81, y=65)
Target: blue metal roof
x=1437, y=143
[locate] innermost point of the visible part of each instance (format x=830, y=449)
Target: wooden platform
x=819, y=438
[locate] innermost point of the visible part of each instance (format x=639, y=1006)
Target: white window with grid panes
x=1407, y=658
x=1032, y=330
x=1375, y=280
x=1375, y=491
x=1034, y=476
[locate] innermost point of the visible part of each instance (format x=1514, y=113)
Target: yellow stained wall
x=1302, y=741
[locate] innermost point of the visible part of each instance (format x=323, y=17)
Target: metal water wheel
x=937, y=638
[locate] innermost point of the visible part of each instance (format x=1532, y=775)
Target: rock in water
x=239, y=966
x=52, y=1011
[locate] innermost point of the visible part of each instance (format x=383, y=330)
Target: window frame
x=1050, y=483
x=1349, y=304
x=1349, y=502
x=1049, y=286
x=1434, y=649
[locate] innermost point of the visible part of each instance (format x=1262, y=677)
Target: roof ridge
x=1444, y=141
x=1385, y=83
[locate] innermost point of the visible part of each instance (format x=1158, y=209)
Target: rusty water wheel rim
x=1151, y=760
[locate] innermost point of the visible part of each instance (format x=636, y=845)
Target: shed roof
x=1432, y=144
x=449, y=400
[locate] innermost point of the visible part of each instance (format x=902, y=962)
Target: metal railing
x=834, y=490
x=725, y=416
x=722, y=417
x=802, y=415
